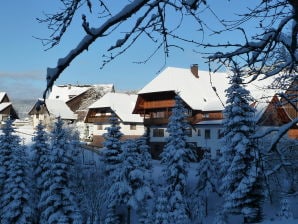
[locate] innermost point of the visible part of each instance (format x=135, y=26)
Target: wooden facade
x=98, y=115
x=156, y=109
x=274, y=115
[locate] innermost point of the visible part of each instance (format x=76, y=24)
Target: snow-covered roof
x=199, y=93
x=121, y=103
x=59, y=108
x=196, y=92
x=4, y=105
x=67, y=92
x=2, y=95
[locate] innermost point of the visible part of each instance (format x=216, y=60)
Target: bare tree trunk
x=128, y=214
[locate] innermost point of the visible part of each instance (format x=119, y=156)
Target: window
x=99, y=127
x=37, y=116
x=133, y=127
x=57, y=97
x=220, y=133
x=199, y=132
x=206, y=115
x=159, y=114
x=188, y=132
x=158, y=132
x=207, y=134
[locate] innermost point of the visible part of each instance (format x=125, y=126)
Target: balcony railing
x=160, y=121
x=101, y=119
x=155, y=121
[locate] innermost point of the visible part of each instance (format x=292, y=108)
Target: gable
x=274, y=114
x=3, y=97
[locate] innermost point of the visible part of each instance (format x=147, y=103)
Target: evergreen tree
x=241, y=184
x=112, y=159
x=40, y=149
x=15, y=188
x=135, y=176
x=206, y=179
x=57, y=203
x=145, y=211
x=175, y=158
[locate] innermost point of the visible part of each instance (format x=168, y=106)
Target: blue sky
x=23, y=59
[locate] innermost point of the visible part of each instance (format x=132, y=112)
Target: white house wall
x=125, y=129
x=213, y=143
x=44, y=118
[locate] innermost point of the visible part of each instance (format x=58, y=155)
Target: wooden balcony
x=100, y=119
x=155, y=121
x=161, y=121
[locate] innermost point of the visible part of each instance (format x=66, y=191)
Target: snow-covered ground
x=26, y=132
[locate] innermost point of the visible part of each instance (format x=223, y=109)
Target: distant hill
x=23, y=107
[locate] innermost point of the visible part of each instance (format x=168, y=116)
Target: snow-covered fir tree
x=207, y=180
x=133, y=178
x=145, y=211
x=57, y=202
x=15, y=198
x=40, y=150
x=175, y=159
x=241, y=184
x=285, y=211
x=111, y=159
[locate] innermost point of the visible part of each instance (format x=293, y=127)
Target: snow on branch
x=63, y=63
x=151, y=19
x=274, y=49
x=281, y=131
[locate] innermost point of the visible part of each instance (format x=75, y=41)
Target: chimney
x=194, y=68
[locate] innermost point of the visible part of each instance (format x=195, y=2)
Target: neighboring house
x=80, y=103
x=78, y=98
x=204, y=96
x=272, y=114
x=122, y=105
x=66, y=92
x=48, y=110
x=6, y=108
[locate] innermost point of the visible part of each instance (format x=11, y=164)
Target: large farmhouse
x=204, y=96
